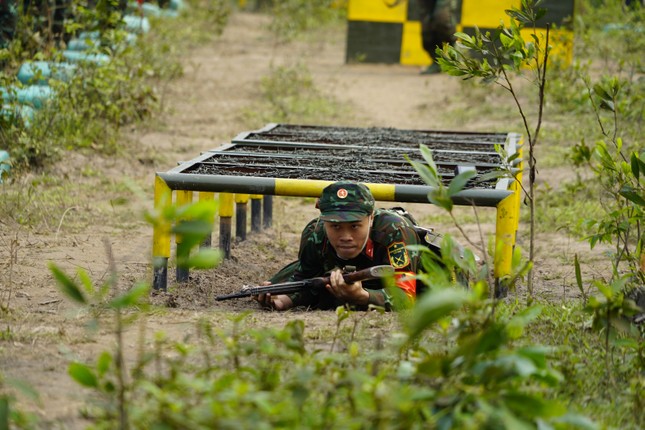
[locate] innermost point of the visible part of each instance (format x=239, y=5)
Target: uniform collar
x=369, y=248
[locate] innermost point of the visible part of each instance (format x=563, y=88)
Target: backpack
x=425, y=235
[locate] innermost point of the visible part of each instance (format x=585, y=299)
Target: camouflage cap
x=345, y=201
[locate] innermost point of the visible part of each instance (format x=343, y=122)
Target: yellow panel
x=486, y=13
x=561, y=42
x=412, y=52
x=377, y=10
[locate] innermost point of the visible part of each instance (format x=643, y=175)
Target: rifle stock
x=318, y=282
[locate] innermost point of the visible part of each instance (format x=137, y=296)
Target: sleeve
x=403, y=260
x=309, y=264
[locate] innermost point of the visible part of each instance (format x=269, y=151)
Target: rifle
x=318, y=282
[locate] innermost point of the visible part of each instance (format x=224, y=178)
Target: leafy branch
x=494, y=57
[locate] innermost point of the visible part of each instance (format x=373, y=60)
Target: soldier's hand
x=281, y=302
x=351, y=293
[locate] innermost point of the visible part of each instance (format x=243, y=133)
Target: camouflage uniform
x=386, y=245
x=437, y=25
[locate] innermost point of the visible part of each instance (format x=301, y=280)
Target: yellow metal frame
x=161, y=229
x=507, y=225
x=507, y=220
x=226, y=205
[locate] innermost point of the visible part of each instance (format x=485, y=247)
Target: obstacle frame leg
x=206, y=196
x=256, y=213
x=183, y=198
x=241, y=204
x=508, y=217
x=225, y=223
x=161, y=236
x=267, y=211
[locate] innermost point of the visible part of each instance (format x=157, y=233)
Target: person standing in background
x=437, y=27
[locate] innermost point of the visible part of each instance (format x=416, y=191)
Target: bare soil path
x=43, y=332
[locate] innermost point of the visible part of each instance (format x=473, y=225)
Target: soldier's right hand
x=281, y=302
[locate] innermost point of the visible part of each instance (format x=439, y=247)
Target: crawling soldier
x=349, y=233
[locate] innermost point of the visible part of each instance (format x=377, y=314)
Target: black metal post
x=267, y=211
x=256, y=213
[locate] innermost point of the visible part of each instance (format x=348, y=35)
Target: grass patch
x=289, y=95
x=560, y=209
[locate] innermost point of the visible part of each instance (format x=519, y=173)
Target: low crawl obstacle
x=296, y=160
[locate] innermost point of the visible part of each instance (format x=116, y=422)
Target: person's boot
x=431, y=69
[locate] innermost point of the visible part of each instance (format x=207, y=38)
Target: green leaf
x=4, y=405
x=604, y=289
x=205, y=259
x=342, y=314
x=427, y=156
x=193, y=227
x=536, y=41
x=86, y=281
x=601, y=92
x=495, y=174
x=532, y=405
x=130, y=297
x=608, y=105
x=204, y=210
x=464, y=37
x=83, y=375
x=536, y=353
x=513, y=157
x=459, y=182
x=523, y=318
x=518, y=16
x=103, y=363
x=638, y=166
x=576, y=264
x=67, y=285
x=575, y=421
x=439, y=197
x=433, y=306
x=506, y=41
x=626, y=343
x=635, y=167
x=633, y=196
x=427, y=175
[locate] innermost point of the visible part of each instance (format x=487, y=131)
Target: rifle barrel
x=282, y=288
x=295, y=286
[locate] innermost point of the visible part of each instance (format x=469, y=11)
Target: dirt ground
x=44, y=332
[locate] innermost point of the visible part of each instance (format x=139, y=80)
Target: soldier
x=437, y=27
x=349, y=232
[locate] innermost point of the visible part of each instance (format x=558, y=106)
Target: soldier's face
x=348, y=238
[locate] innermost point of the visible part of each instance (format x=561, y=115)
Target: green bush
x=88, y=112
